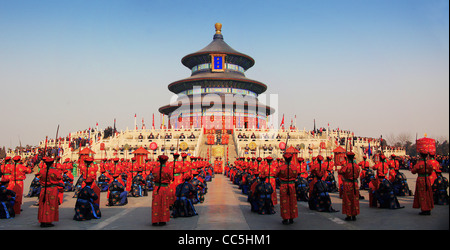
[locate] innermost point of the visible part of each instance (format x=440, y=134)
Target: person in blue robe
x=263, y=197
x=77, y=186
x=7, y=200
x=149, y=181
x=400, y=185
x=385, y=195
x=331, y=182
x=199, y=186
x=302, y=188
x=320, y=199
x=368, y=176
x=184, y=205
x=68, y=182
x=439, y=187
x=138, y=185
x=85, y=208
x=35, y=187
x=117, y=193
x=103, y=182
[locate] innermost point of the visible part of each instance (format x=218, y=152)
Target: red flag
x=153, y=122
x=282, y=122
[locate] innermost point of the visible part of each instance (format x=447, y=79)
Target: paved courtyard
x=226, y=208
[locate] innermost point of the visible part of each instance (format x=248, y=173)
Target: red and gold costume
x=48, y=199
x=364, y=165
x=393, y=166
x=270, y=170
x=382, y=169
x=288, y=197
x=423, y=195
x=318, y=171
x=17, y=174
x=350, y=193
x=160, y=196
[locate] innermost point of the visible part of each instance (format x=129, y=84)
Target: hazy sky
x=374, y=67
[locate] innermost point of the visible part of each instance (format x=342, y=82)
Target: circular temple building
x=217, y=95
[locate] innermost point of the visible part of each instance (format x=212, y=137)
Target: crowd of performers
x=176, y=186
x=313, y=182
x=179, y=184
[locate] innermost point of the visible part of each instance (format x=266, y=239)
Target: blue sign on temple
x=218, y=62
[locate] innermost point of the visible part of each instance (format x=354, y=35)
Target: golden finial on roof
x=218, y=28
x=425, y=135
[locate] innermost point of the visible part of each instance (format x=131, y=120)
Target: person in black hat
x=288, y=197
x=184, y=205
x=319, y=198
x=85, y=208
x=117, y=196
x=51, y=179
x=160, y=196
x=350, y=194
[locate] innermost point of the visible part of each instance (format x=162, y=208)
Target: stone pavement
x=226, y=208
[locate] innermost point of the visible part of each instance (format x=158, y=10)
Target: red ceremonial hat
x=365, y=157
x=116, y=159
x=259, y=159
x=300, y=159
x=183, y=155
x=287, y=157
x=89, y=180
x=162, y=159
x=7, y=158
x=48, y=160
x=89, y=160
x=426, y=145
x=16, y=158
x=186, y=176
x=320, y=158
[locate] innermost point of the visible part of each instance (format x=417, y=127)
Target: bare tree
x=403, y=137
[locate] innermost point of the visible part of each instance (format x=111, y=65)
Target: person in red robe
x=350, y=194
x=382, y=169
x=17, y=174
x=364, y=165
x=394, y=165
x=423, y=196
x=435, y=166
x=175, y=167
x=160, y=196
x=287, y=175
x=317, y=171
x=270, y=170
x=50, y=180
x=90, y=171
